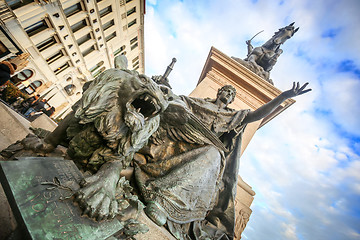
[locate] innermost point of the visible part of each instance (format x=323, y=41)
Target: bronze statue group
x=184, y=151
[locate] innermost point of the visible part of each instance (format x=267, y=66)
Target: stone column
x=252, y=92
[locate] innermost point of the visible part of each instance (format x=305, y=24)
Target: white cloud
x=289, y=231
x=152, y=2
x=343, y=99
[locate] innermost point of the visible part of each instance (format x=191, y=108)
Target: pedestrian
x=40, y=105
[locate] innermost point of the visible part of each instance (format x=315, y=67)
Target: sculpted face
x=226, y=95
x=122, y=100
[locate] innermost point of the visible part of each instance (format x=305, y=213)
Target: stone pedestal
x=251, y=93
x=155, y=232
x=243, y=200
x=42, y=212
x=14, y=127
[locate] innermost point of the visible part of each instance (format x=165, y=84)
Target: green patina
x=44, y=215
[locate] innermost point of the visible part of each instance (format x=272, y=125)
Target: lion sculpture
x=115, y=117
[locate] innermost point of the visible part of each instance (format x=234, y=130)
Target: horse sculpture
x=262, y=59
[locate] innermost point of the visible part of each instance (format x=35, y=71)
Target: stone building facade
x=69, y=42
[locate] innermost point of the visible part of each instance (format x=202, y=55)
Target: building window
x=119, y=50
x=99, y=64
x=89, y=50
x=108, y=24
x=132, y=41
x=134, y=46
x=70, y=89
x=131, y=11
x=22, y=76
x=136, y=68
x=79, y=25
x=135, y=59
x=83, y=39
x=62, y=68
x=133, y=22
x=98, y=72
x=127, y=1
x=36, y=27
x=46, y=43
x=111, y=36
x=28, y=90
x=72, y=10
x=54, y=57
x=136, y=64
x=105, y=11
x=14, y=4
x=36, y=84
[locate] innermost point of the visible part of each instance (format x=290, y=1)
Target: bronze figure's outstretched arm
x=269, y=107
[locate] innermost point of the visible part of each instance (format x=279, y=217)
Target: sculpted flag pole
x=163, y=79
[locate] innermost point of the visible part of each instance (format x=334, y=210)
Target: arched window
x=22, y=76
x=36, y=84
x=70, y=89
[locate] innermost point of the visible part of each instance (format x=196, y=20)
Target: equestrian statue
x=262, y=59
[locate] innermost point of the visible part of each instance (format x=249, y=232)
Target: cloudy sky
x=305, y=165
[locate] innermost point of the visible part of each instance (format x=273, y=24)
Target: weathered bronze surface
x=262, y=59
x=38, y=206
x=117, y=114
x=185, y=152
x=189, y=183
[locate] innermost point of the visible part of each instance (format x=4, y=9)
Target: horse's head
x=284, y=34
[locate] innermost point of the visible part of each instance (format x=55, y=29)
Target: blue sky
x=305, y=165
